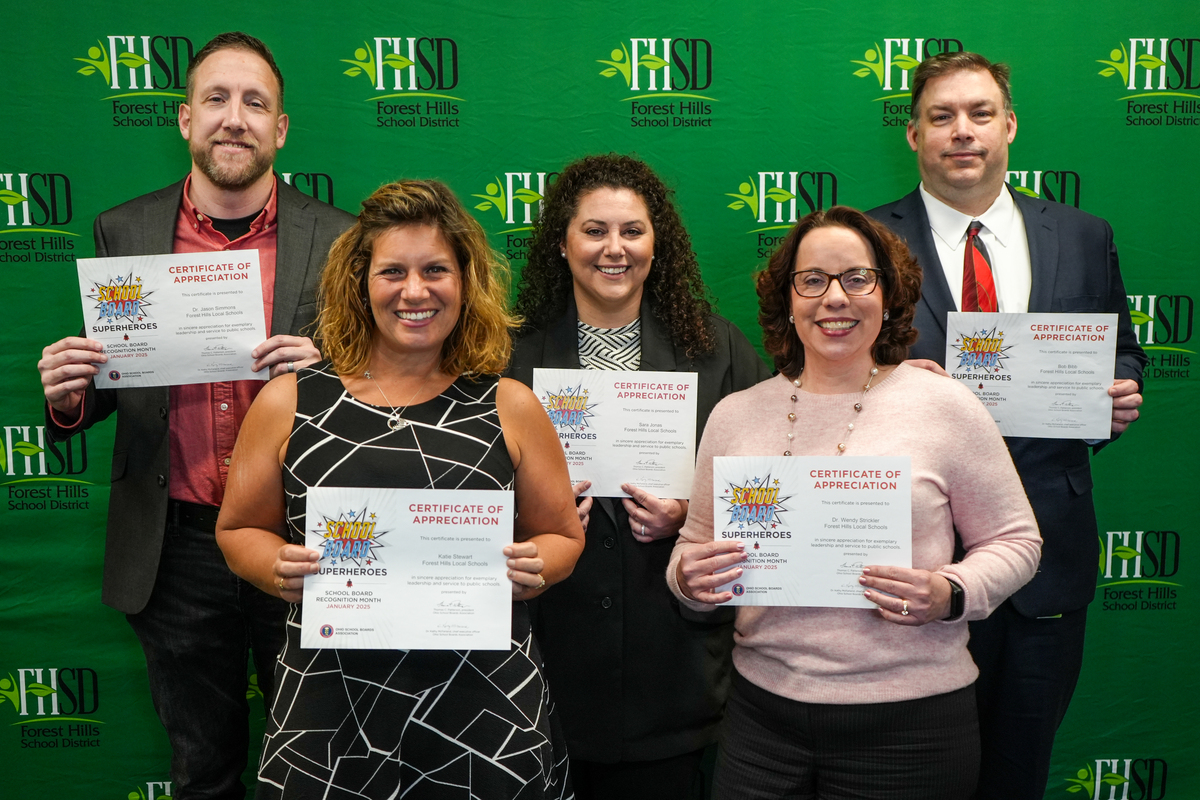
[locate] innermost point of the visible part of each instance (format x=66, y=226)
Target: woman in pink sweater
x=865, y=703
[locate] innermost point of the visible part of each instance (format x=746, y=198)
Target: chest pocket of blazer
x=1080, y=304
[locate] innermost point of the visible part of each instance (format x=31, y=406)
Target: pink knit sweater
x=962, y=476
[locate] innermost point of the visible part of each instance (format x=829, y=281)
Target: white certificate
x=408, y=569
x=174, y=319
x=810, y=524
x=1039, y=375
x=624, y=427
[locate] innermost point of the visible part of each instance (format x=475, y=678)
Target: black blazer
x=633, y=675
x=1074, y=269
x=137, y=509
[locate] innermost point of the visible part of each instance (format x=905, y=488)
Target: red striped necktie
x=979, y=290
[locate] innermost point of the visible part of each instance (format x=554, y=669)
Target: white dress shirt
x=1003, y=235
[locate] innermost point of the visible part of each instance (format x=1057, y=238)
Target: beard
x=228, y=176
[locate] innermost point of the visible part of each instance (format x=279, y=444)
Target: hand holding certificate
x=1039, y=375
x=624, y=427
x=408, y=569
x=811, y=524
x=174, y=319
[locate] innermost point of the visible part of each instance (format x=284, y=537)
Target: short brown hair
x=946, y=63
x=901, y=289
x=481, y=342
x=233, y=40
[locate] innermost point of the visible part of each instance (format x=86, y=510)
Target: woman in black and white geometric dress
x=411, y=302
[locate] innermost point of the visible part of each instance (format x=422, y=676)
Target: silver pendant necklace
x=858, y=407
x=396, y=422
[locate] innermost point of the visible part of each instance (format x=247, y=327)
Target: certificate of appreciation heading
x=408, y=569
x=624, y=427
x=1039, y=375
x=810, y=524
x=174, y=319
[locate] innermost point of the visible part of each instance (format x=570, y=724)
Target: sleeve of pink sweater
x=968, y=482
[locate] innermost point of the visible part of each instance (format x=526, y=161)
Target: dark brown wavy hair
x=901, y=289
x=678, y=297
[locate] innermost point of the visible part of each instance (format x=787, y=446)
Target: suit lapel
x=159, y=220
x=295, y=226
x=911, y=222
x=1042, y=234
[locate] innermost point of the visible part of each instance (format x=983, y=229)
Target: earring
x=564, y=253
x=791, y=319
x=885, y=315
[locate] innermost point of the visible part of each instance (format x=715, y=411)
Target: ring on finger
x=279, y=583
x=643, y=529
x=904, y=609
x=291, y=366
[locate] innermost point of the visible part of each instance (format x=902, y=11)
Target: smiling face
x=233, y=123
x=609, y=246
x=961, y=135
x=836, y=327
x=414, y=284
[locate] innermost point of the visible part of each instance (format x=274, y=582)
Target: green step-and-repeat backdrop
x=754, y=113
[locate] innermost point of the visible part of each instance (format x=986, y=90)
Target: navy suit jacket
x=137, y=509
x=1074, y=266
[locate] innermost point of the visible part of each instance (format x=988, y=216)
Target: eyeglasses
x=855, y=282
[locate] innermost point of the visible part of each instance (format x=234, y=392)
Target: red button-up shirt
x=205, y=417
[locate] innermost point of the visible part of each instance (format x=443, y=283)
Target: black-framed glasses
x=855, y=282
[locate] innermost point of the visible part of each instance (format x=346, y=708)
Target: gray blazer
x=137, y=510
x=1074, y=266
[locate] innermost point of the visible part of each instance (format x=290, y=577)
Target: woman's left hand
x=525, y=570
x=921, y=596
x=652, y=517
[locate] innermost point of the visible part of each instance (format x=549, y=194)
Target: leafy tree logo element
x=9, y=691
x=874, y=64
x=97, y=62
x=495, y=197
x=11, y=198
x=623, y=66
x=1119, y=63
x=29, y=450
x=140, y=794
x=619, y=65
x=748, y=196
x=1123, y=552
x=363, y=63
x=1085, y=781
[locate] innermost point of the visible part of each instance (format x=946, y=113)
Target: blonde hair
x=481, y=342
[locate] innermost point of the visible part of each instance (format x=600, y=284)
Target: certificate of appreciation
x=624, y=427
x=408, y=569
x=174, y=319
x=810, y=524
x=1039, y=375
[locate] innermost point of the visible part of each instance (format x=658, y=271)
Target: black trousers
x=675, y=778
x=1027, y=674
x=775, y=747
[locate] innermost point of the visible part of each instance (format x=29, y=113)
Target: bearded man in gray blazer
x=1045, y=257
x=195, y=619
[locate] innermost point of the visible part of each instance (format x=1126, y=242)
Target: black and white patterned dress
x=406, y=723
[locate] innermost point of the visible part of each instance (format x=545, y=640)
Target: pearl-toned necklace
x=858, y=407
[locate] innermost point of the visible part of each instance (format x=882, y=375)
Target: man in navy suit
x=1044, y=257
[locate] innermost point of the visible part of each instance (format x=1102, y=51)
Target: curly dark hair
x=901, y=289
x=678, y=297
